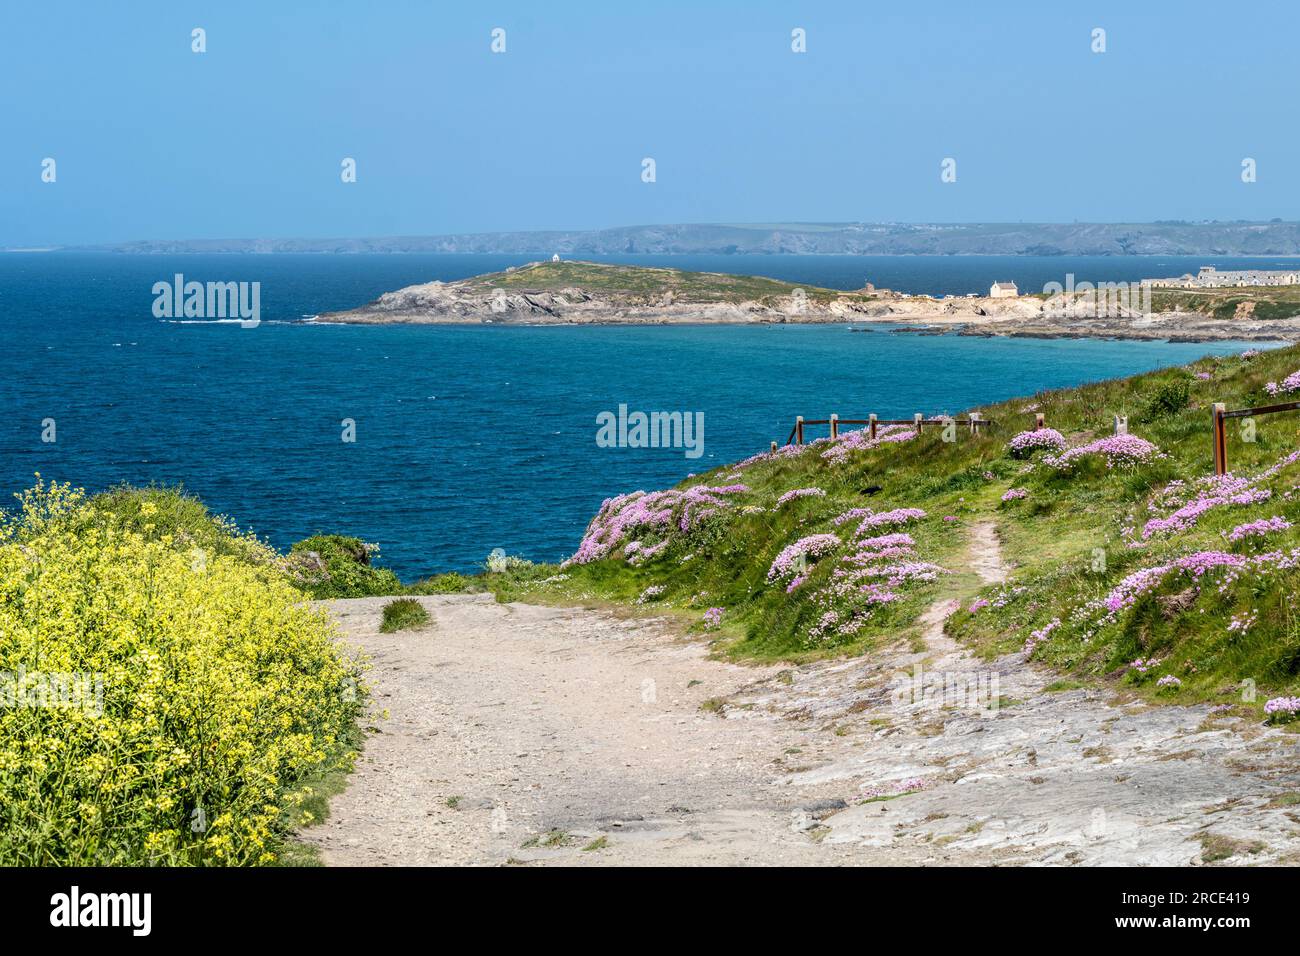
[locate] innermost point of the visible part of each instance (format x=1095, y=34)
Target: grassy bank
x=652, y=285
x=1120, y=551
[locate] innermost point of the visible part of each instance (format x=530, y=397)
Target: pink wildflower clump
x=884, y=519
x=869, y=577
x=978, y=604
x=1211, y=492
x=794, y=493
x=624, y=520
x=1281, y=709
x=713, y=618
x=1141, y=666
x=794, y=557
x=1120, y=451
x=785, y=451
x=1258, y=528
x=1289, y=384
x=1125, y=594
x=904, y=571
x=861, y=440
x=1043, y=633
x=1042, y=439
x=853, y=514
x=897, y=539
x=636, y=553
x=1015, y=494
x=1170, y=681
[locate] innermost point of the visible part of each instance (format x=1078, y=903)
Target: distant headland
x=1163, y=238
x=563, y=292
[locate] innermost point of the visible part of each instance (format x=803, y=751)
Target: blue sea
x=471, y=438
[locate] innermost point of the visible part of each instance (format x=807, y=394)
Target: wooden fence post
x=1121, y=424
x=774, y=448
x=798, y=430
x=871, y=421
x=1039, y=421
x=916, y=420
x=835, y=426
x=1220, y=440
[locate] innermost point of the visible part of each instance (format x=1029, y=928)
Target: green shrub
x=450, y=583
x=337, y=566
x=404, y=614
x=1170, y=398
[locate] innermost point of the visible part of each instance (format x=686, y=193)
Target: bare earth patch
x=537, y=735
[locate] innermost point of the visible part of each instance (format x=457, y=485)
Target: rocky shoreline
x=524, y=296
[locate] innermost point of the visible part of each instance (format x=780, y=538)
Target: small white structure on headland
x=1003, y=290
x=555, y=258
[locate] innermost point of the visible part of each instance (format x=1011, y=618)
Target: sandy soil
x=537, y=735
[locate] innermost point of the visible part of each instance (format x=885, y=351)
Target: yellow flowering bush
x=205, y=692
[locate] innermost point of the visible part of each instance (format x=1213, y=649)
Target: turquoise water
x=467, y=438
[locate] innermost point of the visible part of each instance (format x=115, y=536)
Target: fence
x=975, y=421
x=917, y=421
x=1221, y=414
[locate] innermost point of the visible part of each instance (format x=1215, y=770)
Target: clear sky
x=152, y=140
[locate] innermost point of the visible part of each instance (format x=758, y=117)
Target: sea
x=441, y=444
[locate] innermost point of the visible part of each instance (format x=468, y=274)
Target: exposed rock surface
x=539, y=735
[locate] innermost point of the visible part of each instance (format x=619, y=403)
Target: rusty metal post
x=871, y=420
x=1220, y=440
x=1039, y=421
x=916, y=420
x=798, y=430
x=774, y=448
x=835, y=426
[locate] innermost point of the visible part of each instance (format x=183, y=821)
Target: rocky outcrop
x=476, y=301
x=528, y=296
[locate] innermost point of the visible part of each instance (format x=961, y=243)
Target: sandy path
x=522, y=733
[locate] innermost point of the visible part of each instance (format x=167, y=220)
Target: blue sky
x=154, y=141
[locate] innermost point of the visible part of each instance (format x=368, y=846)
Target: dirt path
x=537, y=735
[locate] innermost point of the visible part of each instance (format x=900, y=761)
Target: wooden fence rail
x=1220, y=415
x=917, y=421
x=976, y=421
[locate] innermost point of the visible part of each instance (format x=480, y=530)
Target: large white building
x=1003, y=290
x=1211, y=278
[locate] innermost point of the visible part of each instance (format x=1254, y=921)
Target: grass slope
x=1223, y=617
x=649, y=284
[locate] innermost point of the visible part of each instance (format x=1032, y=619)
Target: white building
x=1211, y=278
x=1003, y=290
x=555, y=258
